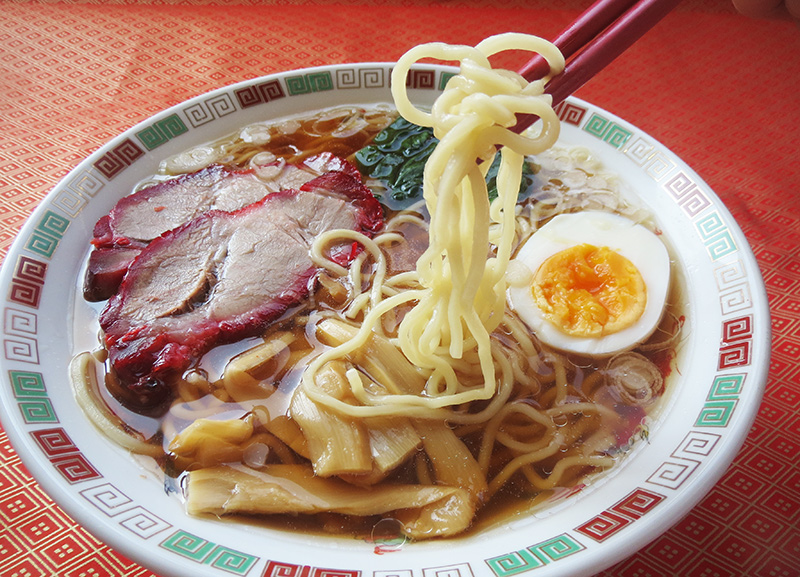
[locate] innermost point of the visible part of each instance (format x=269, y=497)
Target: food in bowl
x=295, y=335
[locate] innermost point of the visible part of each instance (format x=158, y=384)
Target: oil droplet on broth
x=388, y=536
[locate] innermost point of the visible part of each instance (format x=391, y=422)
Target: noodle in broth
x=406, y=388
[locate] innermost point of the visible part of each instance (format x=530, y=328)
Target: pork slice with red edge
x=222, y=277
x=148, y=213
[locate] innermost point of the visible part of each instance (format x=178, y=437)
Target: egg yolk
x=589, y=291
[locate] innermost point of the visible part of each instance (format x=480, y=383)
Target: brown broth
x=312, y=136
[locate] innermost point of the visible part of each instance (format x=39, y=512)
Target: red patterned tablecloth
x=720, y=90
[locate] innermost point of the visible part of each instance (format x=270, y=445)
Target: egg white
x=633, y=241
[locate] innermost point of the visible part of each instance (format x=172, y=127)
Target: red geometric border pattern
x=637, y=503
x=604, y=525
x=570, y=112
x=118, y=159
x=421, y=79
x=737, y=340
x=27, y=281
x=259, y=93
x=614, y=519
x=64, y=455
x=54, y=442
x=737, y=329
x=75, y=468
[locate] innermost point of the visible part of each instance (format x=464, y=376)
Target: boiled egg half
x=592, y=283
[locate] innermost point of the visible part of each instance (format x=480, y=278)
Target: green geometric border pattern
x=534, y=556
x=607, y=130
x=308, y=83
x=715, y=236
x=46, y=235
x=161, y=131
x=444, y=79
x=721, y=401
x=207, y=553
x=31, y=395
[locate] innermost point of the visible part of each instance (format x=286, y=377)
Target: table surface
x=720, y=90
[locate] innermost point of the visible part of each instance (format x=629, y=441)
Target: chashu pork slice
x=222, y=277
x=140, y=217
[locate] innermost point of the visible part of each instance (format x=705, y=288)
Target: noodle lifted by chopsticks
x=461, y=292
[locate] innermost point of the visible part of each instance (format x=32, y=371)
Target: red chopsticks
x=594, y=20
x=600, y=34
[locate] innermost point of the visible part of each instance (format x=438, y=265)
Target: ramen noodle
x=408, y=387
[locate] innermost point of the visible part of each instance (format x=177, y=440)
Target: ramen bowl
x=712, y=399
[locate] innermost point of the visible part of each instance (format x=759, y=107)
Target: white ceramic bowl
x=723, y=363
